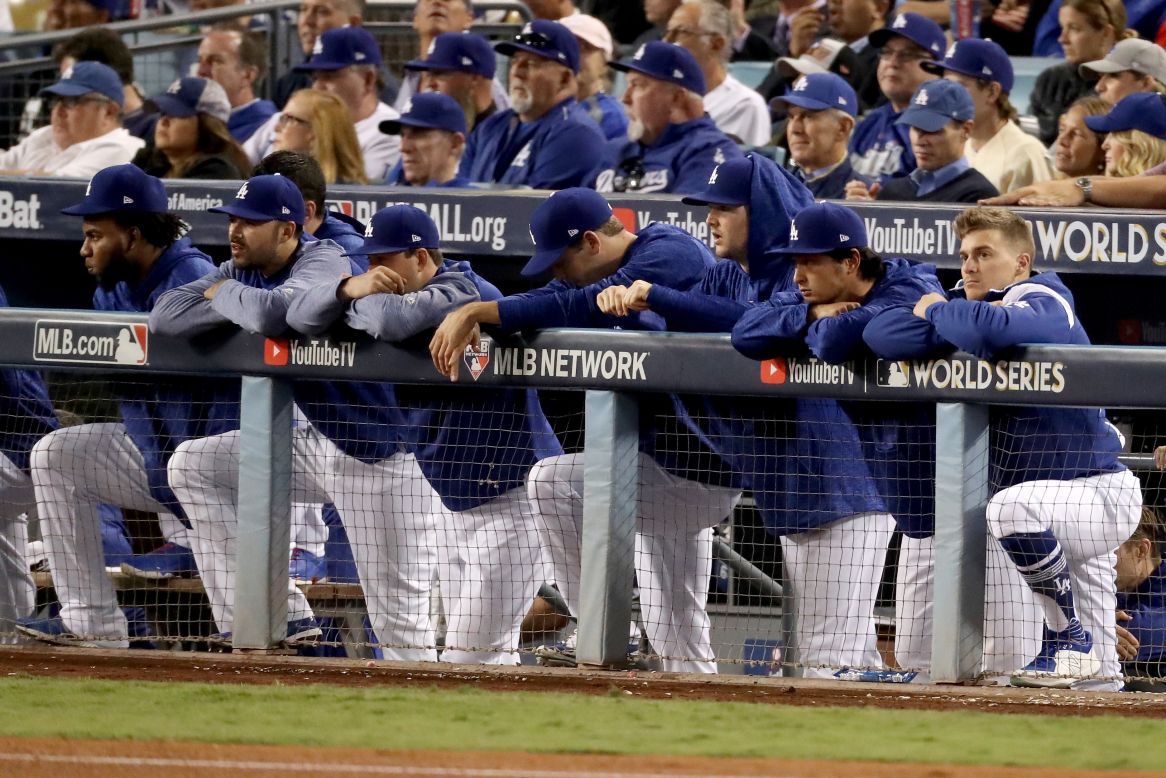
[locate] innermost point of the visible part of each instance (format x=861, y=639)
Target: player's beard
x=635, y=129
x=117, y=270
x=520, y=101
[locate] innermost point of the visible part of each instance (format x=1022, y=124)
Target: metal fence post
x=261, y=578
x=961, y=495
x=610, y=510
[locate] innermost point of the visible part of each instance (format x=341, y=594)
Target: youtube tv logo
x=275, y=352
x=774, y=371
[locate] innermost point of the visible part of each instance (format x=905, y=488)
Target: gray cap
x=1134, y=54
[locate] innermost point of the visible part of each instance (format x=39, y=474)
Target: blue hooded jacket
x=346, y=231
x=165, y=411
x=1028, y=443
x=1146, y=604
x=681, y=160
x=26, y=410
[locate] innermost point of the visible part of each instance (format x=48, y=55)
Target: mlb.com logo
x=893, y=374
x=275, y=352
x=774, y=371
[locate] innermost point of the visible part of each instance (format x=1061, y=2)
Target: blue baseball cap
x=191, y=96
x=824, y=227
x=666, y=62
x=428, y=110
x=399, y=228
x=819, y=91
x=975, y=58
x=87, y=77
x=463, y=52
x=936, y=103
x=731, y=183
x=121, y=188
x=915, y=28
x=1145, y=111
x=546, y=39
x=342, y=47
x=560, y=221
x=266, y=199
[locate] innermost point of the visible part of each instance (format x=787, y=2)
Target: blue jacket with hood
x=681, y=160
x=1028, y=443
x=1146, y=605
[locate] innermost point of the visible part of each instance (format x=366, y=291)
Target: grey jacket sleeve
x=317, y=309
x=183, y=311
x=398, y=316
x=264, y=311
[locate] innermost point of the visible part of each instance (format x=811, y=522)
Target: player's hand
x=1062, y=193
x=213, y=289
x=1127, y=644
x=803, y=31
x=827, y=310
x=610, y=301
x=857, y=190
x=376, y=280
x=925, y=302
x=636, y=297
x=458, y=330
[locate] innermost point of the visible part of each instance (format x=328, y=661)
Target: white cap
x=817, y=60
x=1145, y=57
x=589, y=29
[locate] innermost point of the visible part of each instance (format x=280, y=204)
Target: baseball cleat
x=167, y=561
x=562, y=653
x=301, y=632
x=306, y=567
x=53, y=630
x=1060, y=663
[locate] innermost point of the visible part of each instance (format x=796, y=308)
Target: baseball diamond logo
x=89, y=342
x=477, y=358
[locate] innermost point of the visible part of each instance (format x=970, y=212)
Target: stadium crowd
x=864, y=100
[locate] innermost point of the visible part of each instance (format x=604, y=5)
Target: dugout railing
x=627, y=364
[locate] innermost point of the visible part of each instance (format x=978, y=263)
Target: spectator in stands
x=554, y=10
x=1141, y=602
x=798, y=24
x=136, y=250
x=672, y=145
x=1007, y=156
x=85, y=133
x=191, y=139
x=825, y=56
x=431, y=18
x=941, y=119
x=317, y=123
x=748, y=45
x=314, y=17
x=237, y=59
x=881, y=147
x=1132, y=65
x=1136, y=139
x=1078, y=151
x=462, y=65
x=1089, y=29
x=595, y=49
x=852, y=21
x=657, y=12
x=90, y=13
x=705, y=28
x=546, y=140
x=821, y=109
x=98, y=44
x=433, y=138
x=346, y=62
x=305, y=172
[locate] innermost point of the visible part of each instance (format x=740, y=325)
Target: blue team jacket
x=395, y=176
x=164, y=411
x=1028, y=443
x=681, y=160
x=881, y=149
x=243, y=122
x=608, y=113
x=556, y=151
x=346, y=231
x=25, y=409
x=1147, y=605
x=474, y=444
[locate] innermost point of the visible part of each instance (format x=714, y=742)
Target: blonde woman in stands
x=1137, y=134
x=318, y=123
x=1089, y=29
x=1078, y=151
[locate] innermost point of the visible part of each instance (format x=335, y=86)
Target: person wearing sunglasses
x=546, y=139
x=672, y=145
x=84, y=134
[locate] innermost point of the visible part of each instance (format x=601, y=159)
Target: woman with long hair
x=318, y=123
x=1137, y=134
x=191, y=139
x=1077, y=151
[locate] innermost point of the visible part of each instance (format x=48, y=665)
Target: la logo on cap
x=900, y=22
x=987, y=71
x=174, y=88
x=532, y=240
x=528, y=29
x=368, y=230
x=408, y=107
x=921, y=98
x=67, y=74
x=793, y=231
x=242, y=193
x=359, y=56
x=467, y=62
x=432, y=47
x=801, y=84
x=639, y=53
x=677, y=74
x=89, y=189
x=950, y=51
x=319, y=47
x=713, y=177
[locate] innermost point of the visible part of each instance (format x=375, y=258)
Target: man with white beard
x=546, y=140
x=672, y=146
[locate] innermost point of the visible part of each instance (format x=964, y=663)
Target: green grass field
x=618, y=724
